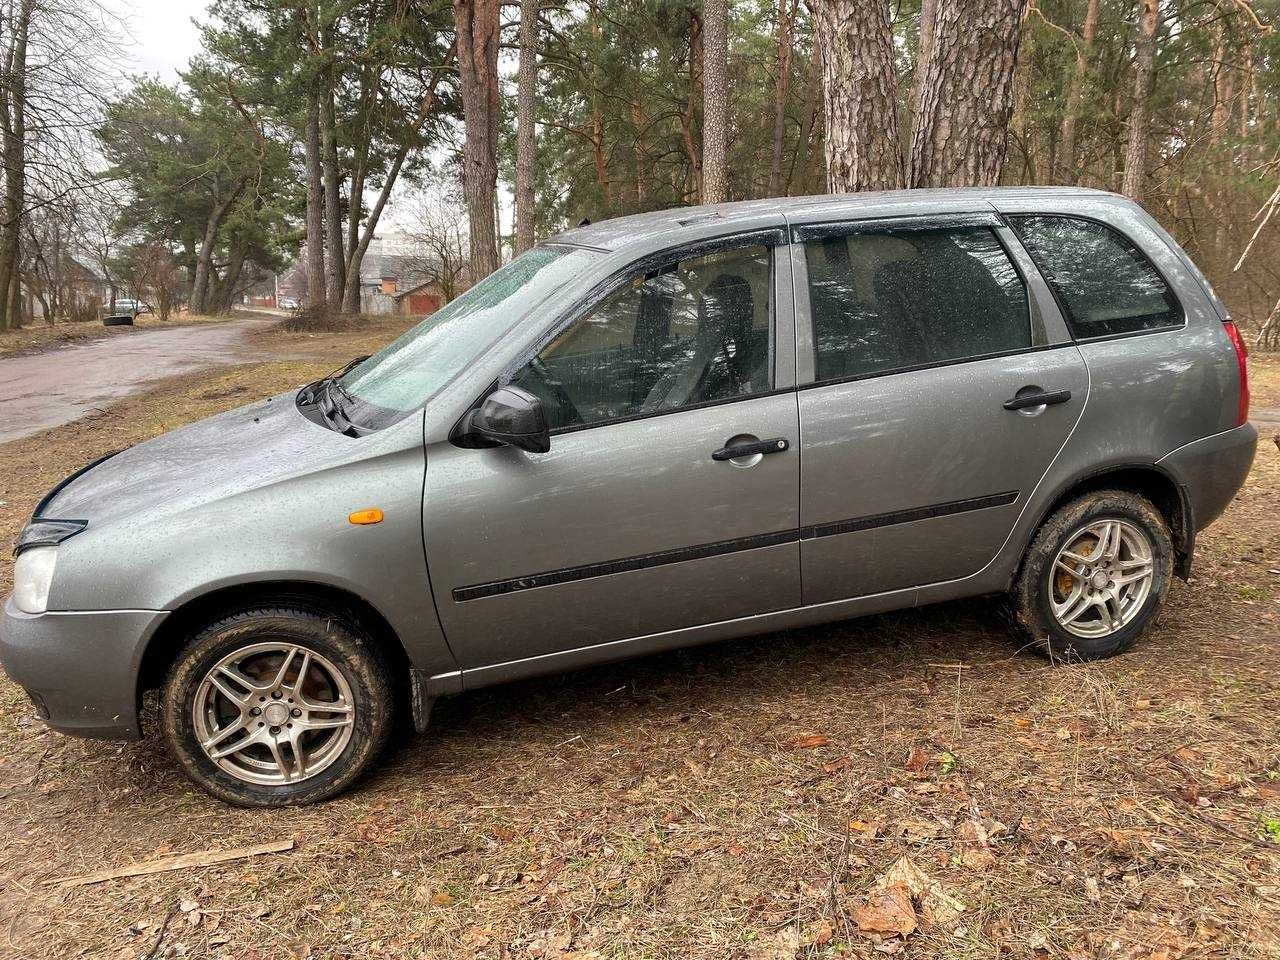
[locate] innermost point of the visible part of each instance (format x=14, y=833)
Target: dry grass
x=730, y=801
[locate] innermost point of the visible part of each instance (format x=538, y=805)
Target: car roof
x=643, y=229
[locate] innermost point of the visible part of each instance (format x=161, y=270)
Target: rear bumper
x=79, y=668
x=1213, y=469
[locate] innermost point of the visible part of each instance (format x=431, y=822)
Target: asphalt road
x=60, y=386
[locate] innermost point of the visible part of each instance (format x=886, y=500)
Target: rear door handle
x=1037, y=400
x=776, y=445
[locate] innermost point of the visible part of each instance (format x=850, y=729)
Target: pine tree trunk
x=961, y=129
x=315, y=204
x=863, y=151
x=809, y=152
x=201, y=285
x=1018, y=124
x=1135, y=157
x=526, y=144
x=476, y=22
x=715, y=100
x=13, y=140
x=1224, y=82
x=783, y=33
x=335, y=260
x=694, y=189
x=928, y=20
x=1066, y=166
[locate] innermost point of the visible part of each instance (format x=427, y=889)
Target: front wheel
x=1094, y=576
x=276, y=706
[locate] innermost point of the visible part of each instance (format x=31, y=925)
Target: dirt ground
x=737, y=800
x=37, y=336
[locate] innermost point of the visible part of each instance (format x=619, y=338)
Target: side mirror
x=512, y=416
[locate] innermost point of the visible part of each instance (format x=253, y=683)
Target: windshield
x=412, y=368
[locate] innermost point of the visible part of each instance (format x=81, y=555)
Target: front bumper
x=80, y=668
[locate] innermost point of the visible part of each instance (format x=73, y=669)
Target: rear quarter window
x=1106, y=285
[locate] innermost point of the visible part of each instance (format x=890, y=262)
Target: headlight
x=32, y=578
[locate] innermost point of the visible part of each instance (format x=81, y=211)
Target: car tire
x=119, y=320
x=320, y=718
x=1111, y=601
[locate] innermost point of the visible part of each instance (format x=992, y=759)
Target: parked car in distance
x=123, y=311
x=288, y=303
x=635, y=437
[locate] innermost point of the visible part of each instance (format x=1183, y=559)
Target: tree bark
x=335, y=259
x=809, y=152
x=961, y=129
x=1066, y=172
x=1022, y=106
x=315, y=203
x=715, y=100
x=1224, y=81
x=1135, y=157
x=477, y=28
x=784, y=34
x=13, y=139
x=526, y=142
x=924, y=53
x=863, y=151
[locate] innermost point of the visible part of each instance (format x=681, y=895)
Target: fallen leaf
x=887, y=912
x=918, y=829
x=820, y=933
x=937, y=905
x=917, y=760
x=784, y=945
x=813, y=740
x=442, y=899
x=975, y=846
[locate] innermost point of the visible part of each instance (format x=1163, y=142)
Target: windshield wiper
x=311, y=392
x=331, y=409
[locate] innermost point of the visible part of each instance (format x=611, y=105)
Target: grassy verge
x=741, y=800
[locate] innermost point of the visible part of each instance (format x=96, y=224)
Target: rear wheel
x=1094, y=576
x=276, y=706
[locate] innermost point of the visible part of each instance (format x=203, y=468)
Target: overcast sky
x=161, y=37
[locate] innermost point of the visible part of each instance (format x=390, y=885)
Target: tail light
x=1242, y=355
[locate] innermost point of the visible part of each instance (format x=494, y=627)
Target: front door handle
x=734, y=451
x=1025, y=400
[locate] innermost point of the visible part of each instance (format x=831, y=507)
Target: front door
x=936, y=408
x=636, y=522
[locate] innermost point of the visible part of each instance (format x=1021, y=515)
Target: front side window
x=1105, y=283
x=693, y=331
x=890, y=300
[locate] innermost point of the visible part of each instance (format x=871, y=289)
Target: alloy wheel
x=273, y=713
x=1101, y=578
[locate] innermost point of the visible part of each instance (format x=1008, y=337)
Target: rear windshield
x=1106, y=285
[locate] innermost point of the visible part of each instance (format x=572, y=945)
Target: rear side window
x=891, y=300
x=1106, y=284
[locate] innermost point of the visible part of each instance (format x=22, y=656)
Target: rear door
x=633, y=524
x=937, y=399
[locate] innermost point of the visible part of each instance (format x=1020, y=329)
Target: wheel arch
x=1149, y=480
x=171, y=636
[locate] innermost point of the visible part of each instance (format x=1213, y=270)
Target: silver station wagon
x=646, y=433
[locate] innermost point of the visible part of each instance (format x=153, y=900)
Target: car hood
x=242, y=449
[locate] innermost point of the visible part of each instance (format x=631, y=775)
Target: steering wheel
x=546, y=386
